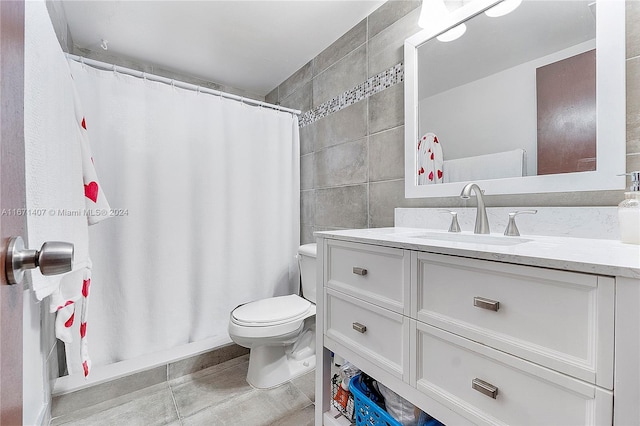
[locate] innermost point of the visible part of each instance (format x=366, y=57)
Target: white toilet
x=280, y=331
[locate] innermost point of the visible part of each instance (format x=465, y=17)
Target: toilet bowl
x=280, y=331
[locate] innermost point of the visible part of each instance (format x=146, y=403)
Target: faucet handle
x=512, y=229
x=455, y=226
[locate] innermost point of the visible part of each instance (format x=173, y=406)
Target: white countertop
x=593, y=256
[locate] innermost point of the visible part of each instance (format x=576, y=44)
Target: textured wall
x=633, y=85
x=352, y=160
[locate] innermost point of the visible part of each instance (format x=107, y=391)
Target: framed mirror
x=529, y=102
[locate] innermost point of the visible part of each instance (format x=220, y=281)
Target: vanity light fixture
x=434, y=12
x=503, y=8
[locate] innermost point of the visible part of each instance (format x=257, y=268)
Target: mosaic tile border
x=362, y=91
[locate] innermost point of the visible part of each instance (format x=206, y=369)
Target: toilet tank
x=307, y=263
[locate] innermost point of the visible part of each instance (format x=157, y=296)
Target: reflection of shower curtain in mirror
x=206, y=192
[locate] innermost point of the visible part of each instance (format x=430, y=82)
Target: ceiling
x=248, y=45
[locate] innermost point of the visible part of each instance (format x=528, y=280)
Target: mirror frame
x=610, y=112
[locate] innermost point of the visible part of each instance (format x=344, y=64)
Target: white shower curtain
x=205, y=192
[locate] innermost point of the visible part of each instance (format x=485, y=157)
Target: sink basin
x=495, y=240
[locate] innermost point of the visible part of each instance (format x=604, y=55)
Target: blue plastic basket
x=366, y=412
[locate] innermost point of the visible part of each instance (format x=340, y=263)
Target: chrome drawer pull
x=484, y=388
x=481, y=302
x=359, y=327
x=359, y=271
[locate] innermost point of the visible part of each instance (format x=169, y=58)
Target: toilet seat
x=280, y=318
x=271, y=311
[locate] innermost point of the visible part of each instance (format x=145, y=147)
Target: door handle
x=359, y=271
x=491, y=305
x=485, y=388
x=53, y=258
x=360, y=328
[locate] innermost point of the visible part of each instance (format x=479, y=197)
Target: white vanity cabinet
x=557, y=319
x=470, y=341
x=491, y=387
x=366, y=295
x=378, y=275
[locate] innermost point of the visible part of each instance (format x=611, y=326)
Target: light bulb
x=453, y=33
x=432, y=12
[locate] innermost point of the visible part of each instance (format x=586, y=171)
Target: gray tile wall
x=633, y=85
x=349, y=158
x=352, y=161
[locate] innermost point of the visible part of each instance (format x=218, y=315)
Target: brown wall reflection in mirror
x=566, y=97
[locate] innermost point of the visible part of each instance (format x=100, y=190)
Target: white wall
x=39, y=354
x=494, y=114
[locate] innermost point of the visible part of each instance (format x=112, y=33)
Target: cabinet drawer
x=526, y=394
x=379, y=275
x=558, y=319
x=376, y=333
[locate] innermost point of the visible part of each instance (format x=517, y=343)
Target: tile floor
x=218, y=395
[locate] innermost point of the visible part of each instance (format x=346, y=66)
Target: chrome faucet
x=482, y=223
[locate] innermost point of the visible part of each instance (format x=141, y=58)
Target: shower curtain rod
x=177, y=83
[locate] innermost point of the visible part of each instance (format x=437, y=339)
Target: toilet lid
x=271, y=310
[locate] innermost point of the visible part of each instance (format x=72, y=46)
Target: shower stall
x=204, y=195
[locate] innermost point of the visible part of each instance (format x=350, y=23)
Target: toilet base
x=271, y=366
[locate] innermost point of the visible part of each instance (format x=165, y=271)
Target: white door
x=12, y=204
